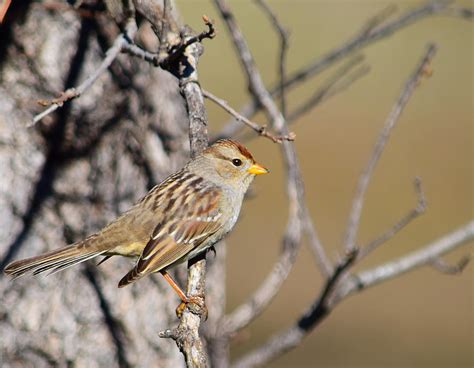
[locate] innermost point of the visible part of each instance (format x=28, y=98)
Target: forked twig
x=404, y=221
x=260, y=129
x=423, y=69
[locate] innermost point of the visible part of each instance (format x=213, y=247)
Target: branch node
x=451, y=269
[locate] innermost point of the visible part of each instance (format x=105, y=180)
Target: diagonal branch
x=75, y=92
x=360, y=40
x=286, y=340
x=244, y=314
x=404, y=221
x=260, y=129
x=424, y=256
x=421, y=70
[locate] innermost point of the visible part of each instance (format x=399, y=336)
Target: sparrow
x=183, y=216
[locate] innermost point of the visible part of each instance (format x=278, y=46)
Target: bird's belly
x=133, y=249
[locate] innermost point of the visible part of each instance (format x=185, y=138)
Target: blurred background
x=85, y=162
x=421, y=319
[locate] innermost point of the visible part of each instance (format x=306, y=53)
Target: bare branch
x=364, y=179
x=165, y=59
x=283, y=34
x=322, y=261
x=291, y=239
x=404, y=221
x=360, y=40
x=344, y=77
x=290, y=338
x=261, y=130
x=75, y=92
x=421, y=257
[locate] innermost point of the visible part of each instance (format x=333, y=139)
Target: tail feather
x=132, y=276
x=56, y=260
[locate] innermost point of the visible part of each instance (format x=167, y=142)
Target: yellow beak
x=256, y=169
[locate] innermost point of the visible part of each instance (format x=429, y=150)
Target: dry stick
x=283, y=35
x=281, y=342
x=364, y=179
x=424, y=256
x=342, y=79
x=360, y=40
x=244, y=314
x=75, y=92
x=338, y=84
x=404, y=221
x=292, y=337
x=260, y=129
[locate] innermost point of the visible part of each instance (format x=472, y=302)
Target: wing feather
x=188, y=224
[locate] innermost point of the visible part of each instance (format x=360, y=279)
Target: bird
x=183, y=216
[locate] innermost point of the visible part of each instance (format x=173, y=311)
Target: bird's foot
x=195, y=305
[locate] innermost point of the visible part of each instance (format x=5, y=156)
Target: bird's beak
x=256, y=169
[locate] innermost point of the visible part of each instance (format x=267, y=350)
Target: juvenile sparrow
x=179, y=218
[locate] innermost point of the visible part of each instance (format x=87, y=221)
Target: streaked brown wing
x=188, y=224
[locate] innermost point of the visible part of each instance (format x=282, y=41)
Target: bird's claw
x=195, y=305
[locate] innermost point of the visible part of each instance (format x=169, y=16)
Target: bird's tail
x=57, y=260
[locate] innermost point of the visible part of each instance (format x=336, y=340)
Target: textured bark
x=66, y=177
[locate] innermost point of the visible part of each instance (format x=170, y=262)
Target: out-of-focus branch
x=360, y=40
x=260, y=129
x=404, y=221
x=423, y=69
x=290, y=338
x=343, y=78
x=291, y=239
x=334, y=292
x=283, y=35
x=424, y=256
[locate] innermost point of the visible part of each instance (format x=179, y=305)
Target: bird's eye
x=237, y=162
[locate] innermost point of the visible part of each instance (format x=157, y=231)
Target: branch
x=261, y=130
x=344, y=77
x=283, y=35
x=244, y=314
x=75, y=92
x=404, y=221
x=424, y=256
x=291, y=338
x=167, y=58
x=187, y=335
x=360, y=40
x=355, y=214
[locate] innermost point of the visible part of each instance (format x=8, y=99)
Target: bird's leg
x=185, y=300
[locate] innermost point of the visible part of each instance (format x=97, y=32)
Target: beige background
x=423, y=319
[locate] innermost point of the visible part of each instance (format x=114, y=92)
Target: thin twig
x=244, y=314
x=421, y=257
x=342, y=78
x=360, y=40
x=261, y=130
x=283, y=35
x=75, y=92
x=404, y=221
x=421, y=70
x=167, y=58
x=290, y=338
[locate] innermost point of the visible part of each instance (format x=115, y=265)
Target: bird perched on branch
x=184, y=215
